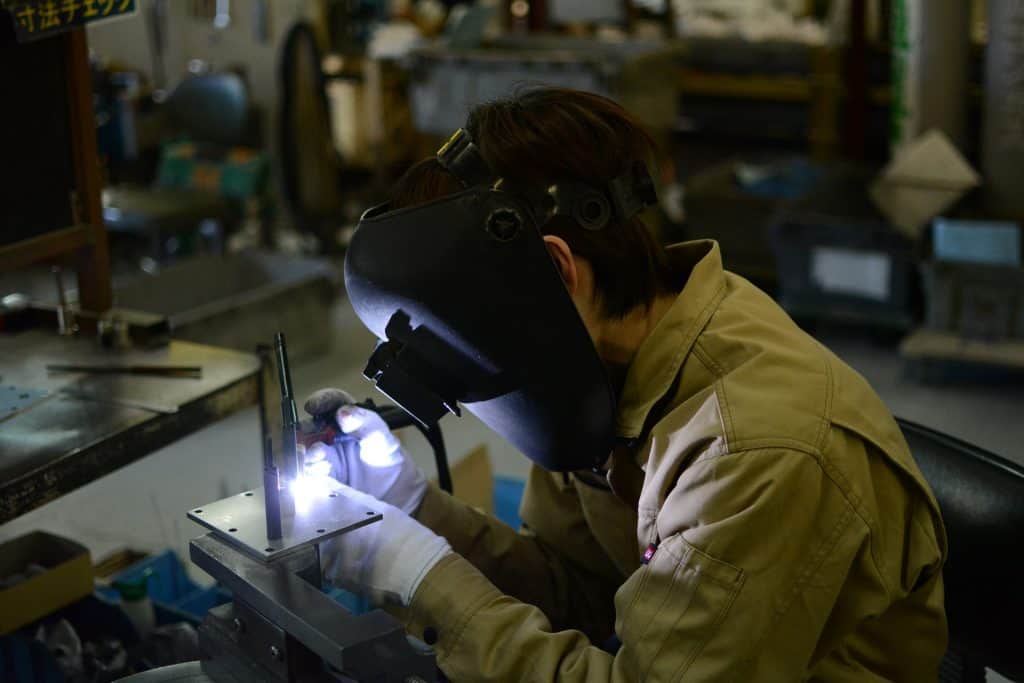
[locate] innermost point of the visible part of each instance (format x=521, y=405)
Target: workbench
x=88, y=425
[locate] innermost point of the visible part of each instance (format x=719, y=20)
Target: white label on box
x=846, y=271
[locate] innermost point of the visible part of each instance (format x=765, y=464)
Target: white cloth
x=379, y=467
x=384, y=561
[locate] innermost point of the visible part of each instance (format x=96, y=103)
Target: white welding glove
x=379, y=467
x=384, y=561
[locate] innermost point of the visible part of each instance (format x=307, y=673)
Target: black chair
x=982, y=500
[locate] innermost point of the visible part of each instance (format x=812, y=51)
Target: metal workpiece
x=315, y=516
x=272, y=501
x=289, y=414
x=92, y=424
x=14, y=399
x=315, y=638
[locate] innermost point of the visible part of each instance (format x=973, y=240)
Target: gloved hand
x=379, y=466
x=384, y=561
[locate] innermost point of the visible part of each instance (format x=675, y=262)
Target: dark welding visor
x=471, y=309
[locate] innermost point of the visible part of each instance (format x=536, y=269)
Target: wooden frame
x=84, y=244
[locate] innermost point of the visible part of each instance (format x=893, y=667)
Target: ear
x=561, y=254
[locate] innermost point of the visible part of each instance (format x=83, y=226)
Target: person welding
x=713, y=496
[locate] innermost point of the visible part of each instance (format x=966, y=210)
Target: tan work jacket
x=788, y=533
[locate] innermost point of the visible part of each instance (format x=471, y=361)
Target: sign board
x=34, y=19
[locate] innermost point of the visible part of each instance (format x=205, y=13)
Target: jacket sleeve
x=751, y=535
x=572, y=583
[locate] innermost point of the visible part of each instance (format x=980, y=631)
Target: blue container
x=175, y=596
x=24, y=660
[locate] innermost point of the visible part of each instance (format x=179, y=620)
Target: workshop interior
x=195, y=237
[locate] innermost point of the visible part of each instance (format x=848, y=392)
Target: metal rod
x=289, y=414
x=188, y=371
x=271, y=492
x=263, y=352
x=65, y=321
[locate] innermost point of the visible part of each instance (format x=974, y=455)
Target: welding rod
x=289, y=415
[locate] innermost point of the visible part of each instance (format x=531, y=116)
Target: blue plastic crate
x=175, y=596
x=24, y=660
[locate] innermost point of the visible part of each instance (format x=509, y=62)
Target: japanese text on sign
x=38, y=18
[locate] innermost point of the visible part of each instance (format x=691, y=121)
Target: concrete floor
x=142, y=505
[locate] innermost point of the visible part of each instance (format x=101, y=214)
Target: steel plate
x=14, y=399
x=241, y=520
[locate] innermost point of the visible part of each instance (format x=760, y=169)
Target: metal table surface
x=66, y=441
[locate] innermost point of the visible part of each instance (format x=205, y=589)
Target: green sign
x=40, y=18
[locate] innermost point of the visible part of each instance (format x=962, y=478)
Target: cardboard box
x=67, y=577
x=926, y=178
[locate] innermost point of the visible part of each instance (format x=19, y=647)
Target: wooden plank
x=947, y=346
x=774, y=88
x=94, y=259
x=827, y=90
x=46, y=247
x=85, y=243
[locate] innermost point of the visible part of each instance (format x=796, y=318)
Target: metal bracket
x=371, y=647
x=313, y=517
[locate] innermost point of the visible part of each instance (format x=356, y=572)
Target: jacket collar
x=658, y=360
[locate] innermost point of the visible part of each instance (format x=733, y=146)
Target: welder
x=713, y=495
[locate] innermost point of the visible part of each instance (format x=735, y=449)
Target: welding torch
x=324, y=428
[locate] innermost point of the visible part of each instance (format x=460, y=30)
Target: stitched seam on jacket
x=732, y=444
x=930, y=535
x=760, y=444
x=689, y=338
x=463, y=621
x=692, y=550
x=843, y=484
x=683, y=609
x=811, y=568
x=682, y=561
x=826, y=415
x=814, y=565
x=734, y=590
x=726, y=608
x=702, y=353
x=673, y=585
x=628, y=618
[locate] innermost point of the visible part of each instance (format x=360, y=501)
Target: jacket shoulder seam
x=826, y=413
x=856, y=502
x=704, y=356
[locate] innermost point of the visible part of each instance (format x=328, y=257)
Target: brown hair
x=542, y=135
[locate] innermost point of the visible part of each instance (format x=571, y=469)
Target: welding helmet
x=471, y=309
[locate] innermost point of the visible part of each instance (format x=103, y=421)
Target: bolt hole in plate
x=311, y=518
x=15, y=399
